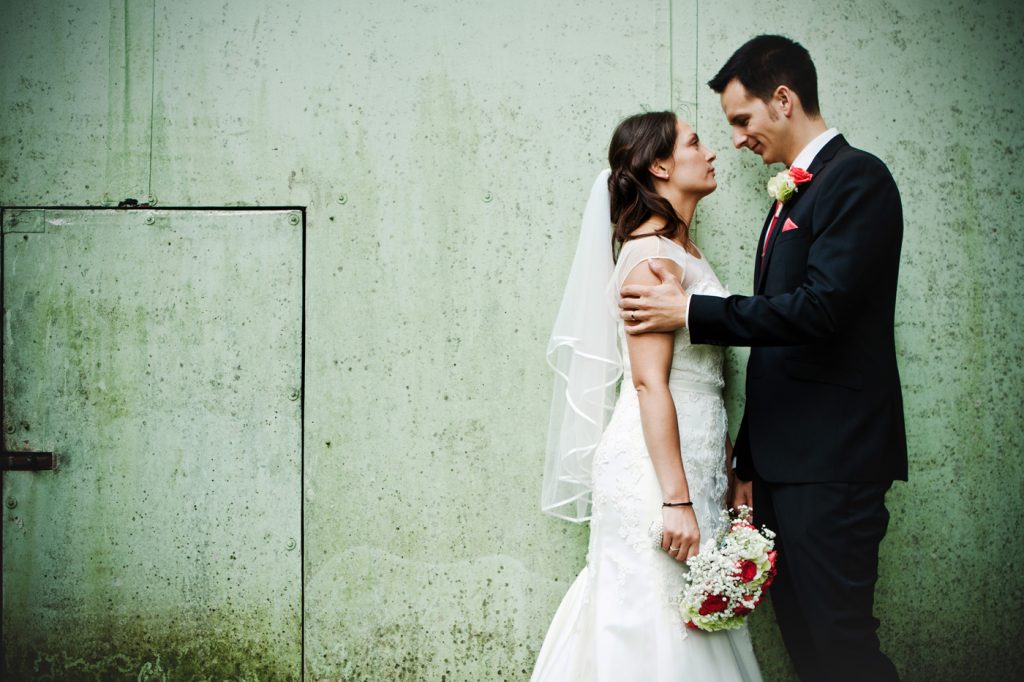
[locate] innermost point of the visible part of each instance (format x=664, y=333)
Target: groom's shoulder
x=852, y=158
x=850, y=163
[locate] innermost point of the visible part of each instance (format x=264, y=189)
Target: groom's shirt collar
x=807, y=154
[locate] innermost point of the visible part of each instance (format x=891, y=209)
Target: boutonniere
x=783, y=186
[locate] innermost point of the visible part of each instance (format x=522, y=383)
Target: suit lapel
x=826, y=154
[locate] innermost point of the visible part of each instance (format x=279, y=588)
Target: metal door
x=158, y=354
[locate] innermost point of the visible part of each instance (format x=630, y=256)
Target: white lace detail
x=627, y=497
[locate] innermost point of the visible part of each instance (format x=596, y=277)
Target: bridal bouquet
x=726, y=579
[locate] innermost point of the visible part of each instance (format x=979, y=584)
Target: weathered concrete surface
x=443, y=151
x=158, y=353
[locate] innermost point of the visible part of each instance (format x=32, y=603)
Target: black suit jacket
x=823, y=390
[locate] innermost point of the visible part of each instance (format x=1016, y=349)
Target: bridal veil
x=583, y=353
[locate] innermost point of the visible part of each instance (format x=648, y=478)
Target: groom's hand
x=742, y=493
x=658, y=308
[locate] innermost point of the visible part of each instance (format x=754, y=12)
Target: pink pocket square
x=789, y=225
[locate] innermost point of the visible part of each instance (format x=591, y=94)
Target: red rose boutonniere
x=787, y=183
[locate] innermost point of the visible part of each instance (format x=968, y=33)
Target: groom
x=822, y=436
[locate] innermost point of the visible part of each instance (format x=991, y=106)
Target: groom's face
x=755, y=125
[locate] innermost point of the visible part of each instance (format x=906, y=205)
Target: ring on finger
x=632, y=315
x=674, y=549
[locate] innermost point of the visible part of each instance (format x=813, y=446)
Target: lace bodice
x=700, y=364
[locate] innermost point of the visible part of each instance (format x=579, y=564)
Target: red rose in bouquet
x=771, y=571
x=713, y=604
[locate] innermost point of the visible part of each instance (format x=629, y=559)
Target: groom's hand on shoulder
x=656, y=307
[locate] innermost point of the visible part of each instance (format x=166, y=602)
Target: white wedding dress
x=619, y=621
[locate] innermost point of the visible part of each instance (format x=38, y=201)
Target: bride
x=648, y=468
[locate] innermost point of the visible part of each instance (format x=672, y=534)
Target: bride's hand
x=681, y=535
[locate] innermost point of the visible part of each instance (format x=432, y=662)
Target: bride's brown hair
x=637, y=143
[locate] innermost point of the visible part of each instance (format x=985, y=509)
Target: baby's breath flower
x=716, y=598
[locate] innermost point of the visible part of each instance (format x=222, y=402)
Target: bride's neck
x=684, y=205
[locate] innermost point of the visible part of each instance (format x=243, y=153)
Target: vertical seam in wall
x=671, y=61
x=152, y=100
x=3, y=362
x=302, y=464
x=696, y=60
x=126, y=102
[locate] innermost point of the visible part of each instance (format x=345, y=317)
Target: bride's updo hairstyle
x=637, y=143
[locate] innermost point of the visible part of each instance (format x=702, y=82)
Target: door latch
x=28, y=461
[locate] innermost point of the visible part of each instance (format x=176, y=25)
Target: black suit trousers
x=828, y=540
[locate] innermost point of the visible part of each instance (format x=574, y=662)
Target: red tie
x=768, y=234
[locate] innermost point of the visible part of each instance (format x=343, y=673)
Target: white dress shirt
x=806, y=156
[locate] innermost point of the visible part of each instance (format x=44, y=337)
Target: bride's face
x=690, y=169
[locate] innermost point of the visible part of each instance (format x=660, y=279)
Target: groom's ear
x=785, y=99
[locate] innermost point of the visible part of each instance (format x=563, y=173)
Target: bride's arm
x=650, y=356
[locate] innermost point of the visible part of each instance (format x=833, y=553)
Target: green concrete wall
x=443, y=151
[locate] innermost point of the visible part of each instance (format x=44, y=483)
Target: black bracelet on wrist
x=677, y=504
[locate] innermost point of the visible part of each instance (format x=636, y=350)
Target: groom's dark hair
x=766, y=62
